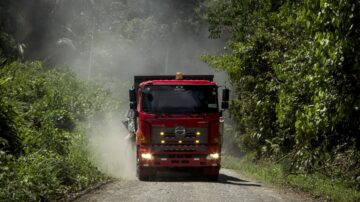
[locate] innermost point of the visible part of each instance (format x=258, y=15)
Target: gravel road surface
x=180, y=187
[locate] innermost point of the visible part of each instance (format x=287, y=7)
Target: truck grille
x=179, y=139
x=180, y=156
x=179, y=148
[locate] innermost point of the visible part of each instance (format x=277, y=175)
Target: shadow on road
x=226, y=179
x=186, y=177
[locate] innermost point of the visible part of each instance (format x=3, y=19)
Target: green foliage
x=255, y=50
x=317, y=184
x=295, y=72
x=43, y=114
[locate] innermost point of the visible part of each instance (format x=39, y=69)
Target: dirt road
x=170, y=187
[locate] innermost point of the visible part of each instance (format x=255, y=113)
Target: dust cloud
x=136, y=38
x=152, y=40
x=111, y=41
x=113, y=154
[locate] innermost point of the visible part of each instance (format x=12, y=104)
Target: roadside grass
x=316, y=184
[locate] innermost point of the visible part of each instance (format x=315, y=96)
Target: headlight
x=147, y=156
x=213, y=156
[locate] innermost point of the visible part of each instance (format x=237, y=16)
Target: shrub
x=43, y=113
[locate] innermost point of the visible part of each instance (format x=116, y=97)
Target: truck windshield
x=180, y=99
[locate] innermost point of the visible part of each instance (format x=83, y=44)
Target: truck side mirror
x=225, y=95
x=225, y=98
x=132, y=98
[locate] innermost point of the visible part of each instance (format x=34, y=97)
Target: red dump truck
x=176, y=122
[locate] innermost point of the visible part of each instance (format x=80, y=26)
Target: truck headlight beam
x=213, y=156
x=147, y=156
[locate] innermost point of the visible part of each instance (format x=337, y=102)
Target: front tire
x=145, y=174
x=213, y=178
x=143, y=177
x=212, y=174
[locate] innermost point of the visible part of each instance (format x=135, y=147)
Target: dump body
x=177, y=124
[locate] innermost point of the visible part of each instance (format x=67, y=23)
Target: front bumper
x=180, y=158
x=179, y=162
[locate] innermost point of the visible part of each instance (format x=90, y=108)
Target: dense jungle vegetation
x=42, y=123
x=295, y=70
x=293, y=67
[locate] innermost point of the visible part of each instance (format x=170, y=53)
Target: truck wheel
x=212, y=174
x=213, y=178
x=145, y=174
x=140, y=173
x=144, y=178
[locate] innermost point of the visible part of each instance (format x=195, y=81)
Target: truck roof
x=170, y=80
x=177, y=82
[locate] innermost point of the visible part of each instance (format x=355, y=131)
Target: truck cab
x=177, y=123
